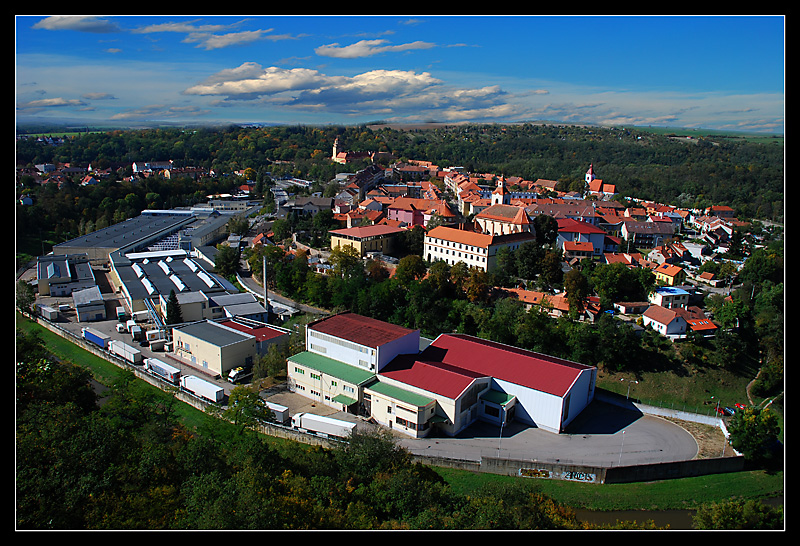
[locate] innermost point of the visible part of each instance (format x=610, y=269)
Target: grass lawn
x=679, y=494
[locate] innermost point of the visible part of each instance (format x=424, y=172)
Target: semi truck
x=96, y=336
x=162, y=370
x=125, y=351
x=240, y=373
x=202, y=388
x=322, y=426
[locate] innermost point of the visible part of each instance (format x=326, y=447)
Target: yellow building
x=669, y=274
x=366, y=239
x=213, y=347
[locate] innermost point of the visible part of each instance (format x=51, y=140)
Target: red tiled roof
x=568, y=225
x=453, y=361
x=359, y=329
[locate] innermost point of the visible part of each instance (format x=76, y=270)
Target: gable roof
x=453, y=361
x=568, y=225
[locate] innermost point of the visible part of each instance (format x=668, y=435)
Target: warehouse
x=472, y=378
x=381, y=371
x=214, y=348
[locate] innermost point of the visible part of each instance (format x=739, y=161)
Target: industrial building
x=61, y=275
x=213, y=347
x=391, y=375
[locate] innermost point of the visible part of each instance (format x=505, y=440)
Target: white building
x=474, y=249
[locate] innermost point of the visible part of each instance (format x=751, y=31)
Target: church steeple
x=590, y=173
x=500, y=195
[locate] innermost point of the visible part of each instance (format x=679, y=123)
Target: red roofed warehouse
x=377, y=370
x=471, y=378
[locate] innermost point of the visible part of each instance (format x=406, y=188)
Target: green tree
x=226, y=262
x=174, y=313
x=737, y=514
x=246, y=409
x=754, y=433
x=26, y=297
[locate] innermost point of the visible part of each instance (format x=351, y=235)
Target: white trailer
x=48, y=312
x=202, y=388
x=281, y=412
x=322, y=426
x=125, y=351
x=162, y=370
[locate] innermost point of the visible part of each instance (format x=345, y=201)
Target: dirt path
x=710, y=440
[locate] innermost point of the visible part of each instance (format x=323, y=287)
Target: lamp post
x=629, y=386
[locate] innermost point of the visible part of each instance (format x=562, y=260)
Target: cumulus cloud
x=367, y=48
x=78, y=23
x=375, y=93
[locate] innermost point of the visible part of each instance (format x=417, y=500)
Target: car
x=730, y=410
x=721, y=411
x=740, y=406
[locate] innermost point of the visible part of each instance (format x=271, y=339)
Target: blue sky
x=692, y=71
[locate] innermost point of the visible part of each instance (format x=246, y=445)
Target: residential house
x=577, y=231
x=669, y=274
x=669, y=297
x=667, y=322
x=646, y=234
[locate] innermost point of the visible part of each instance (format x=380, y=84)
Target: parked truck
x=202, y=388
x=162, y=370
x=121, y=313
x=48, y=312
x=125, y=351
x=322, y=426
x=96, y=336
x=240, y=373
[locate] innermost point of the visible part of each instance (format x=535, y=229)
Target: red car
x=740, y=406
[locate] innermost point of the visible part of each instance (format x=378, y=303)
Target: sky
x=705, y=72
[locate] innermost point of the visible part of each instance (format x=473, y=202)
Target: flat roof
x=361, y=232
x=214, y=333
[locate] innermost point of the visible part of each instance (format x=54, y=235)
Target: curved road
x=603, y=435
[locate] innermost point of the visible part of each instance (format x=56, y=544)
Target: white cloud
x=367, y=48
x=78, y=23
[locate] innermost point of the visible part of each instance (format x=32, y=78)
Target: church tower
x=590, y=174
x=335, y=148
x=500, y=195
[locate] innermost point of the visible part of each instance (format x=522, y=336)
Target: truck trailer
x=202, y=388
x=322, y=426
x=96, y=336
x=162, y=370
x=125, y=351
x=281, y=412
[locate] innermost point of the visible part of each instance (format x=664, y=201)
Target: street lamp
x=629, y=386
